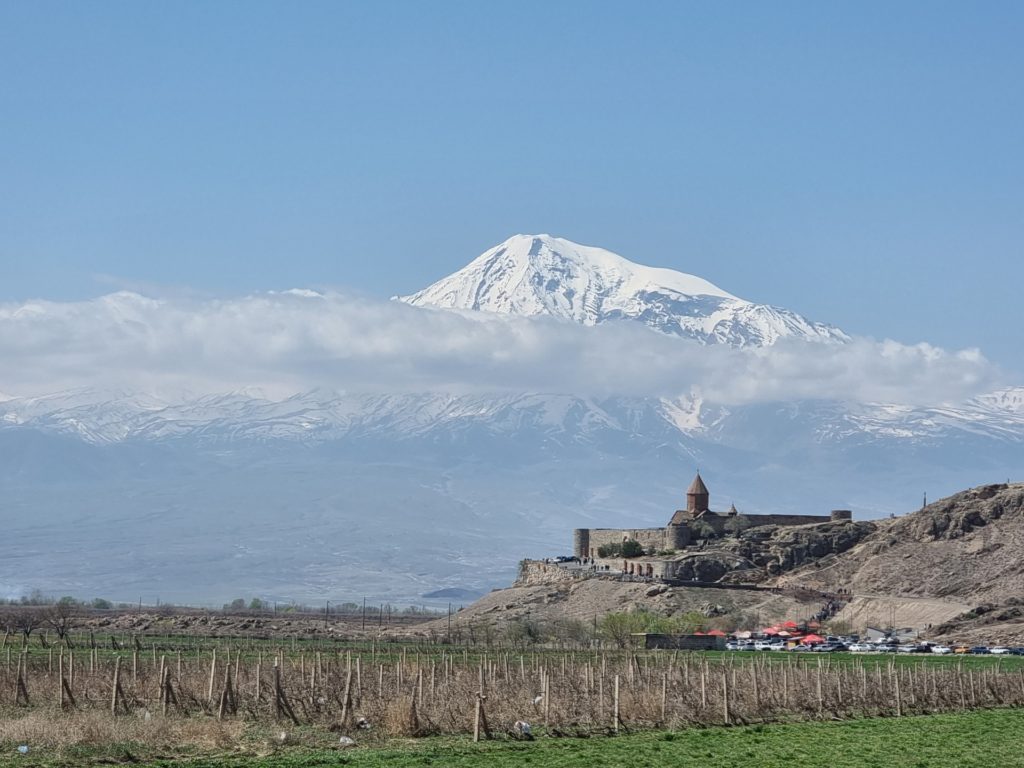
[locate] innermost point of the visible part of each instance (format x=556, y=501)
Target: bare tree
x=25, y=619
x=61, y=617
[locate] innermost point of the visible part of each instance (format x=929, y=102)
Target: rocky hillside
x=959, y=556
x=964, y=546
x=757, y=554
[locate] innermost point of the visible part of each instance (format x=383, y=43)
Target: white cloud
x=297, y=340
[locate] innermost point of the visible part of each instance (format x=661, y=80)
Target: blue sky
x=860, y=163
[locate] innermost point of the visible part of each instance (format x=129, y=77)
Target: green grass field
x=993, y=739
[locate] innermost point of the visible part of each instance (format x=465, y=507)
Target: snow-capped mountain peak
x=533, y=275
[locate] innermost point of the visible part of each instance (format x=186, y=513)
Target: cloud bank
x=295, y=341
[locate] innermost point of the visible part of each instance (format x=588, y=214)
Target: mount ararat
x=336, y=494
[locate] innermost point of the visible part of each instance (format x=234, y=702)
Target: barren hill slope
x=966, y=546
x=959, y=553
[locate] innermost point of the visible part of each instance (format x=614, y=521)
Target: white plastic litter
x=346, y=741
x=23, y=749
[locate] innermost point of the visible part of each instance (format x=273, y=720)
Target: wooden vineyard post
x=899, y=698
x=21, y=694
x=65, y=690
x=167, y=692
x=281, y=703
x=480, y=719
x=346, y=699
x=821, y=701
x=277, y=691
x=703, y=687
x=547, y=699
x=213, y=672
x=227, y=694
x=615, y=706
x=664, y=695
x=164, y=690
x=359, y=681
x=160, y=677
x=116, y=693
x=725, y=697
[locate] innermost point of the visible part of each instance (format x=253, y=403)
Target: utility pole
x=364, y=613
x=327, y=613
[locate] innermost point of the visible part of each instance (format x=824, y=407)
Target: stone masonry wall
x=649, y=538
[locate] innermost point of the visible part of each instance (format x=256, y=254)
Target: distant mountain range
x=330, y=495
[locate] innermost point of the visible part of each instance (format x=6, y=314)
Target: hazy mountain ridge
x=317, y=416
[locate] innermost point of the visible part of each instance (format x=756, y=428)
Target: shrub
x=632, y=548
x=628, y=548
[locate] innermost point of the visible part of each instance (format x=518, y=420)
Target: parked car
x=732, y=645
x=942, y=650
x=1017, y=651
x=1000, y=650
x=778, y=645
x=830, y=647
x=860, y=648
x=979, y=650
x=906, y=648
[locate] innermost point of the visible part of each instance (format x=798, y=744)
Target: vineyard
x=395, y=689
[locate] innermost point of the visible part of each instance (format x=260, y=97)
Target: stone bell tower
x=697, y=496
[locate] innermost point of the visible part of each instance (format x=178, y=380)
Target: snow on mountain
x=323, y=416
x=543, y=275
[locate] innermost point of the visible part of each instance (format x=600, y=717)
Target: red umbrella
x=812, y=639
x=717, y=633
x=698, y=632
x=790, y=624
x=770, y=631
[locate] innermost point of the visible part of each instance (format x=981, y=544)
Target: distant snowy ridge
x=534, y=275
x=323, y=416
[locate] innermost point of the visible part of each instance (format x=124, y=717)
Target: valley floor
x=982, y=738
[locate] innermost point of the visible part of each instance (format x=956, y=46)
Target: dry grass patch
x=60, y=731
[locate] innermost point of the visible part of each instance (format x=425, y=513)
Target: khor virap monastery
x=695, y=525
